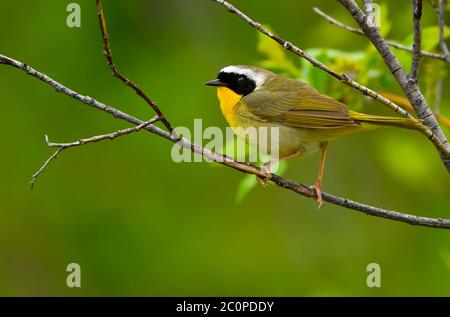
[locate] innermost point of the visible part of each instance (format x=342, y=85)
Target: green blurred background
x=139, y=224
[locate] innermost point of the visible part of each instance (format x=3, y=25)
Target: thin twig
x=62, y=146
x=338, y=23
x=410, y=89
x=97, y=138
x=44, y=166
x=224, y=160
x=108, y=54
x=439, y=140
x=417, y=16
x=357, y=31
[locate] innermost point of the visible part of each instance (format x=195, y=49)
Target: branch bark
x=417, y=16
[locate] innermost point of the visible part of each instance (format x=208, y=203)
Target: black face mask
x=239, y=83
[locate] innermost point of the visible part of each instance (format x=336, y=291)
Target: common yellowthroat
x=306, y=119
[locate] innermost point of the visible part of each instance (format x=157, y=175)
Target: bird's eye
x=240, y=81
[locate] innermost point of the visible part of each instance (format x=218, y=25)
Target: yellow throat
x=228, y=100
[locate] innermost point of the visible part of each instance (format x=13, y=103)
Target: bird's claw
x=318, y=193
x=265, y=177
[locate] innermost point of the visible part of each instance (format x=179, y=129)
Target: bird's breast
x=228, y=100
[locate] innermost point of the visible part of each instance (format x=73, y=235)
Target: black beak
x=215, y=82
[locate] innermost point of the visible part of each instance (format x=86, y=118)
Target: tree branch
x=108, y=54
x=298, y=188
x=410, y=89
x=417, y=16
x=44, y=166
x=62, y=146
x=357, y=31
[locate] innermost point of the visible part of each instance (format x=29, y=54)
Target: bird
x=306, y=119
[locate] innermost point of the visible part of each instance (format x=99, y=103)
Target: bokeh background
x=140, y=224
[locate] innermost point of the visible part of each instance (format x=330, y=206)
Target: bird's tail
x=405, y=123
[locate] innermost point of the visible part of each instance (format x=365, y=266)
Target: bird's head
x=241, y=79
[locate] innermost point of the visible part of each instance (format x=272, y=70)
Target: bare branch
x=439, y=141
x=97, y=138
x=338, y=23
x=417, y=16
x=108, y=54
x=410, y=89
x=44, y=166
x=224, y=160
x=62, y=146
x=357, y=31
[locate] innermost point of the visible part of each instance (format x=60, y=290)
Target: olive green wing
x=302, y=107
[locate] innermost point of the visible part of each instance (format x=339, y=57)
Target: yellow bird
x=306, y=119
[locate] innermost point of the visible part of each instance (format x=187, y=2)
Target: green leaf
x=350, y=63
x=430, y=37
x=248, y=182
x=268, y=47
x=244, y=187
x=314, y=76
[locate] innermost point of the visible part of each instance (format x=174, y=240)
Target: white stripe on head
x=258, y=77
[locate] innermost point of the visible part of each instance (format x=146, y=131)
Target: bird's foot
x=265, y=177
x=318, y=193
